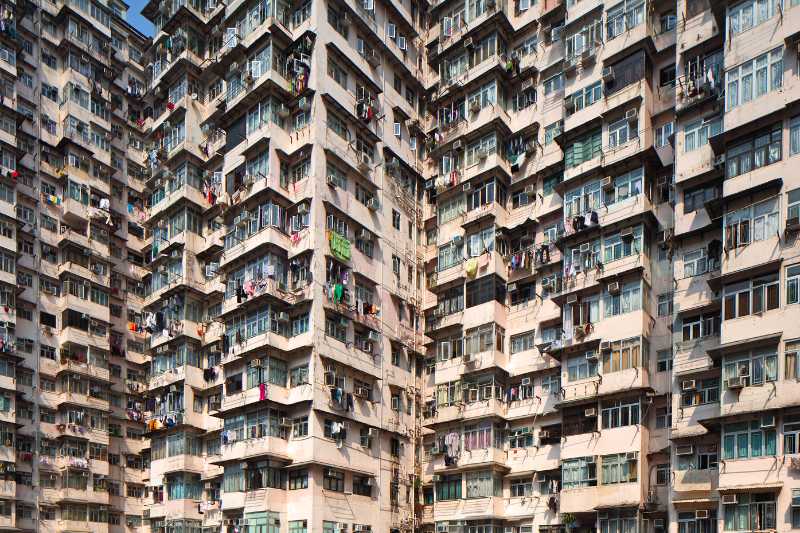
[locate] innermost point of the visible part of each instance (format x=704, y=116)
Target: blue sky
x=137, y=20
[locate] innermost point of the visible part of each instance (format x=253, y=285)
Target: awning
x=759, y=487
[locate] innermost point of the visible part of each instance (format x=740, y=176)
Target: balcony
x=590, y=499
x=472, y=458
x=537, y=459
x=695, y=30
x=627, y=40
x=694, y=481
x=264, y=237
x=177, y=463
x=468, y=509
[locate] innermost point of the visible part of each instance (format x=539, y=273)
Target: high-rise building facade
x=74, y=361
x=464, y=266
x=283, y=215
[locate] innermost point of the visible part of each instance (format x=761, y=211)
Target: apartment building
x=73, y=360
x=283, y=193
x=454, y=266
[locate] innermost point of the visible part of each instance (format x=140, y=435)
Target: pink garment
x=249, y=288
x=262, y=391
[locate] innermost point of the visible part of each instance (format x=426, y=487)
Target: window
x=333, y=480
x=696, y=134
x=752, y=296
x=584, y=149
x=697, y=197
x=621, y=131
x=298, y=526
x=748, y=14
x=751, y=512
x=395, y=219
x=666, y=76
x=665, y=304
x=300, y=427
x=664, y=417
x=668, y=22
x=362, y=485
x=761, y=150
x=664, y=134
x=791, y=434
x=664, y=360
x=449, y=488
x=791, y=351
x=577, y=473
x=482, y=484
x=553, y=84
x=627, y=300
x=706, y=391
x=619, y=413
x=581, y=368
x=521, y=488
x=700, y=326
x=553, y=130
x=617, y=246
x=754, y=367
x=298, y=479
x=623, y=17
x=618, y=468
x=619, y=521
x=523, y=341
x=585, y=97
x=754, y=78
x=744, y=440
x=623, y=354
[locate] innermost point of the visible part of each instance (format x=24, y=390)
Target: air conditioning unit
x=608, y=183
x=457, y=145
x=736, y=383
x=361, y=392
x=512, y=287
x=702, y=514
x=631, y=456
x=728, y=499
x=525, y=382
x=373, y=204
x=626, y=234
x=331, y=180
x=468, y=42
x=631, y=115
x=605, y=346
x=283, y=317
x=285, y=422
x=684, y=450
x=364, y=235
x=437, y=478
x=659, y=523
x=613, y=287
x=255, y=363
x=688, y=385
x=608, y=74
x=365, y=346
x=466, y=358
x=544, y=434
x=374, y=336
x=590, y=356
x=475, y=106
x=458, y=239
x=466, y=187
x=530, y=189
x=591, y=412
x=572, y=298
x=719, y=161
x=585, y=248
x=767, y=421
